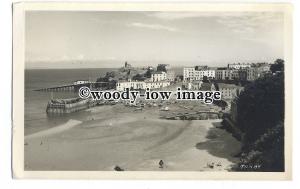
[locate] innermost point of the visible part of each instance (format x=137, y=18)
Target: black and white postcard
x=152, y=91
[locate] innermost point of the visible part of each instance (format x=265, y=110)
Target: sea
x=36, y=118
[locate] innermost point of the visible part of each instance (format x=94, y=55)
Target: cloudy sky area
x=107, y=39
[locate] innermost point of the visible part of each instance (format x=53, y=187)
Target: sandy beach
x=133, y=140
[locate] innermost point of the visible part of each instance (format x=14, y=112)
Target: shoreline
x=57, y=129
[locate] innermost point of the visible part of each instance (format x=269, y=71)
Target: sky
x=108, y=39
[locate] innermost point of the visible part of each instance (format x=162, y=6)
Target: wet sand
x=70, y=124
x=133, y=140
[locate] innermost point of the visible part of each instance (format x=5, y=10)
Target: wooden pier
x=72, y=87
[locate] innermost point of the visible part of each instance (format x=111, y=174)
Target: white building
x=257, y=71
x=223, y=74
x=239, y=66
x=209, y=73
x=188, y=73
x=248, y=72
x=192, y=85
x=156, y=85
x=170, y=76
x=262, y=69
x=122, y=85
x=235, y=74
x=79, y=82
x=229, y=91
x=193, y=74
x=158, y=76
x=251, y=74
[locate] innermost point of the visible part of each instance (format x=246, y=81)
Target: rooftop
x=159, y=72
x=222, y=68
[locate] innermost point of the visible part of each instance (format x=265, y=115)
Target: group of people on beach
x=162, y=165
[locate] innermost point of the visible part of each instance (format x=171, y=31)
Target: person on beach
x=161, y=164
x=117, y=168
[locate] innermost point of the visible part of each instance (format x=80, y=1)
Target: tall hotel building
x=192, y=73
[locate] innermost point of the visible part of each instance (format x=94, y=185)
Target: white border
x=18, y=89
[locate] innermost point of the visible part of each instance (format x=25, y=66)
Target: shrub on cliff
x=260, y=117
x=266, y=153
x=261, y=106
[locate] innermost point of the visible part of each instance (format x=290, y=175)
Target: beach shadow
x=220, y=143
